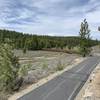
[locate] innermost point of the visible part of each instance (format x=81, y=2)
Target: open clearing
x=43, y=63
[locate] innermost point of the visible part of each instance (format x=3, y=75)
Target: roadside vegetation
x=11, y=73
x=8, y=69
x=60, y=66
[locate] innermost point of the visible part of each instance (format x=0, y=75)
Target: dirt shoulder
x=44, y=80
x=91, y=90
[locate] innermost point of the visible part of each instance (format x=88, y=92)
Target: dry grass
x=3, y=96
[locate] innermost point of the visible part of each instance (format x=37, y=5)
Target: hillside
x=36, y=42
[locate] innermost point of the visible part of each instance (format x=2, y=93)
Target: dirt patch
x=43, y=63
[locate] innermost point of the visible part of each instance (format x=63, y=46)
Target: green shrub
x=23, y=70
x=45, y=65
x=60, y=66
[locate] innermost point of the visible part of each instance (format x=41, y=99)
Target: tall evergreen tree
x=8, y=68
x=84, y=38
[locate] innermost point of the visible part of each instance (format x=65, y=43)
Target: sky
x=50, y=17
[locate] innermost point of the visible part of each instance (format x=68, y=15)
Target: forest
x=38, y=42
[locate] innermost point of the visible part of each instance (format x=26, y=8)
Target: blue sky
x=50, y=17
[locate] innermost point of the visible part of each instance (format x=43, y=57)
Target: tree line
x=35, y=42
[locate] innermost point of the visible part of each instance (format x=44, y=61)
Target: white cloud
x=53, y=17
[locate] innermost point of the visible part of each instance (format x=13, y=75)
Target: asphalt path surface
x=67, y=85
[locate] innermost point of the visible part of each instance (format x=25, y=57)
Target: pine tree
x=84, y=38
x=8, y=68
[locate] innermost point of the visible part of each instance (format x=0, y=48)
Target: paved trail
x=67, y=85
